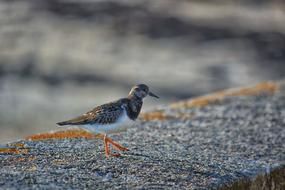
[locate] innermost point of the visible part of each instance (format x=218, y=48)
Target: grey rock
x=236, y=138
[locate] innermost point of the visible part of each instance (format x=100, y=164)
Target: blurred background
x=60, y=58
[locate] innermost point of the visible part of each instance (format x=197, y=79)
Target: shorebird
x=113, y=117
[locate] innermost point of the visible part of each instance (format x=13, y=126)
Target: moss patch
x=275, y=180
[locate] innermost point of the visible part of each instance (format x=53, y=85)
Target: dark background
x=60, y=58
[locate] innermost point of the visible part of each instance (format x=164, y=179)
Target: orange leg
x=116, y=145
x=106, y=145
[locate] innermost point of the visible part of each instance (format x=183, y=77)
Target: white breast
x=122, y=124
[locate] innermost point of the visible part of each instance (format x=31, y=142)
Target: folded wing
x=104, y=114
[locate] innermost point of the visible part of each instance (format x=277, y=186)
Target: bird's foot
x=115, y=155
x=116, y=145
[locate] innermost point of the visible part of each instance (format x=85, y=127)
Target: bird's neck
x=134, y=106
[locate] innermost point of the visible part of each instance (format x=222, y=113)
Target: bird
x=113, y=117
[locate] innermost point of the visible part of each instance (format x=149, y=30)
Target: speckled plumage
x=108, y=113
x=113, y=117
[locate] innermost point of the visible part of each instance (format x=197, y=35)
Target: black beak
x=153, y=95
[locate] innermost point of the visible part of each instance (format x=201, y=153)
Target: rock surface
x=55, y=55
x=201, y=147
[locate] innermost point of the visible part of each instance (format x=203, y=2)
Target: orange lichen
x=22, y=159
x=184, y=116
x=61, y=135
x=155, y=115
x=159, y=115
x=18, y=145
x=10, y=150
x=265, y=87
x=15, y=148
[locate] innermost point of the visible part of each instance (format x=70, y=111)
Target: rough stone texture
x=59, y=58
x=217, y=144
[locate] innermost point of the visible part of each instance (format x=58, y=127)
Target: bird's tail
x=63, y=123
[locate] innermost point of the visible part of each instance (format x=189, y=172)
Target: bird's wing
x=104, y=114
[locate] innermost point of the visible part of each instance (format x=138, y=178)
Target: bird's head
x=141, y=91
